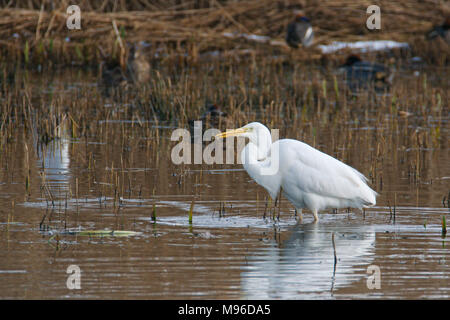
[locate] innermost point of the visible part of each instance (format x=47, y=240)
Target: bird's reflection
x=54, y=161
x=303, y=266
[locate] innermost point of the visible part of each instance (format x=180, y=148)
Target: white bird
x=307, y=177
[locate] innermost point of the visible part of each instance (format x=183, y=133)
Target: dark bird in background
x=363, y=74
x=213, y=117
x=442, y=31
x=299, y=31
x=112, y=74
x=137, y=70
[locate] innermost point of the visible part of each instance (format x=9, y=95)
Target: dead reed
x=34, y=31
x=110, y=136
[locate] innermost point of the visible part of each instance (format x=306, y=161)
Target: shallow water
x=235, y=247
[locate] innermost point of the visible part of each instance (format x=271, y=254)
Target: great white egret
x=307, y=177
x=299, y=31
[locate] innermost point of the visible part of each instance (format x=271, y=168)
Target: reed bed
x=36, y=31
x=111, y=134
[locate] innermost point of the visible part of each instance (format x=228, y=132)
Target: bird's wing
x=308, y=37
x=315, y=172
x=303, y=29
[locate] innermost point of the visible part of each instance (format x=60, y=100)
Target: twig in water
x=190, y=211
x=444, y=227
x=154, y=213
x=334, y=250
x=390, y=211
x=265, y=210
x=335, y=262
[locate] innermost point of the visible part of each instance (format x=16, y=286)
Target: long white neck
x=256, y=160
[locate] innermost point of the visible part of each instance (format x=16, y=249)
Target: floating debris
x=100, y=233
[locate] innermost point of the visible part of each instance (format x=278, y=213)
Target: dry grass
x=198, y=26
x=110, y=136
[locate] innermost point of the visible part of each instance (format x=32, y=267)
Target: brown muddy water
x=116, y=173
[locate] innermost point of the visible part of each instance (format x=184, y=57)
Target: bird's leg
x=299, y=212
x=273, y=206
x=272, y=209
x=316, y=217
x=265, y=210
x=279, y=204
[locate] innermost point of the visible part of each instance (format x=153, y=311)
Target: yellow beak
x=231, y=133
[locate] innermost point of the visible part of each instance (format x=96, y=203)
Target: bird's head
x=256, y=132
x=252, y=131
x=300, y=17
x=352, y=59
x=136, y=51
x=304, y=19
x=214, y=111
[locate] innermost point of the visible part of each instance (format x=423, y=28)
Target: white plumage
x=307, y=177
